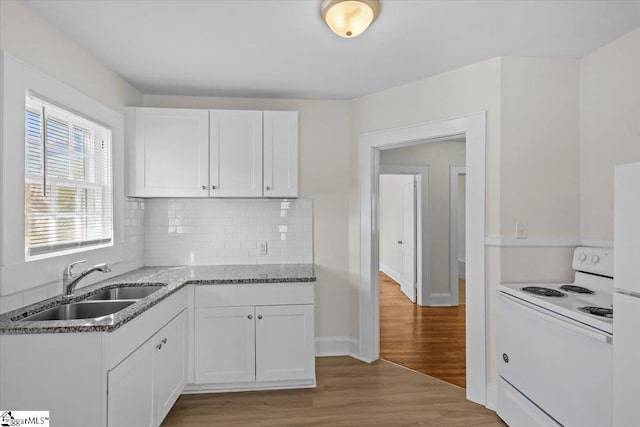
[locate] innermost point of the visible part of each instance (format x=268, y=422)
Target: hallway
x=430, y=340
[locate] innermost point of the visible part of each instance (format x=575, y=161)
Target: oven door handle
x=557, y=319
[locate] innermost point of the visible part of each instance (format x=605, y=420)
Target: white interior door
x=408, y=241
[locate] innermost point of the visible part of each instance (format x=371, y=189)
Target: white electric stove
x=554, y=347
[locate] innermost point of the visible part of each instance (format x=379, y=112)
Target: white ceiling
x=282, y=49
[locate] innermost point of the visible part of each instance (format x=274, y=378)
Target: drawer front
x=253, y=294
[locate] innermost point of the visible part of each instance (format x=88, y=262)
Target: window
x=68, y=181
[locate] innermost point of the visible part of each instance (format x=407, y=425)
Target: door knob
x=204, y=187
x=399, y=242
x=267, y=188
x=213, y=187
x=259, y=316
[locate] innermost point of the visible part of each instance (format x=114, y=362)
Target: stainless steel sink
x=125, y=293
x=80, y=310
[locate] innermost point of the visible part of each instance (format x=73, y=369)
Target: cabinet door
x=170, y=347
x=236, y=153
x=284, y=343
x=130, y=388
x=224, y=345
x=281, y=154
x=171, y=152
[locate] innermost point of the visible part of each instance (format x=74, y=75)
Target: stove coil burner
x=544, y=292
x=598, y=311
x=577, y=289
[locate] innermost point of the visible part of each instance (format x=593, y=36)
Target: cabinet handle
x=250, y=316
x=213, y=187
x=259, y=316
x=164, y=341
x=204, y=187
x=159, y=346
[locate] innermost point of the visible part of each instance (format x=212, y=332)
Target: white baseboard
x=395, y=276
x=336, y=346
x=440, y=299
x=492, y=397
x=461, y=269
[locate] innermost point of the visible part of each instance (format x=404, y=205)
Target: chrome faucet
x=70, y=280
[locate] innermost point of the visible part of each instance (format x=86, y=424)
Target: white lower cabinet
x=170, y=365
x=241, y=347
x=225, y=345
x=143, y=387
x=284, y=342
x=130, y=390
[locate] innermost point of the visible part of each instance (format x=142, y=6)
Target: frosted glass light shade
x=349, y=18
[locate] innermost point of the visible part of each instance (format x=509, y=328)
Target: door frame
x=454, y=269
x=423, y=248
x=473, y=128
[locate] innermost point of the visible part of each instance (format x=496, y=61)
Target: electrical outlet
x=262, y=248
x=521, y=230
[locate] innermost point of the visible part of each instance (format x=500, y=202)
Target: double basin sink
x=103, y=303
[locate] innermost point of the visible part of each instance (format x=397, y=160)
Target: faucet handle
x=68, y=271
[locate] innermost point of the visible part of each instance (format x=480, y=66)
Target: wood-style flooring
x=349, y=393
x=430, y=340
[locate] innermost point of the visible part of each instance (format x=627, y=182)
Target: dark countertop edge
x=250, y=281
x=32, y=328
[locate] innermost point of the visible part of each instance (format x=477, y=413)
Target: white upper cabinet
x=235, y=139
x=212, y=153
x=169, y=152
x=280, y=153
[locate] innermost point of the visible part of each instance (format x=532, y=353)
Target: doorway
x=407, y=239
x=473, y=128
x=398, y=232
x=430, y=337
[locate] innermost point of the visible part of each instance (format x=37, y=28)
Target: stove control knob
x=583, y=257
x=505, y=357
x=595, y=259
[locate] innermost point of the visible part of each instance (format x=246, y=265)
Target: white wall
x=531, y=149
x=439, y=156
x=324, y=177
x=609, y=129
x=539, y=166
x=32, y=40
x=391, y=223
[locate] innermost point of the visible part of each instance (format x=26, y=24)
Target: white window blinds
x=68, y=180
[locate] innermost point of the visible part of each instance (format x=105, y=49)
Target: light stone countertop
x=174, y=278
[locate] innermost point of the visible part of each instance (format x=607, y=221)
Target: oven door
x=562, y=366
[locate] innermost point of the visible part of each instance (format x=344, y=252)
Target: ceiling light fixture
x=349, y=18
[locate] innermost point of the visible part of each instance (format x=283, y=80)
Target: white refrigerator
x=626, y=299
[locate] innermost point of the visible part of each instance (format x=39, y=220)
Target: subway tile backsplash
x=227, y=231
